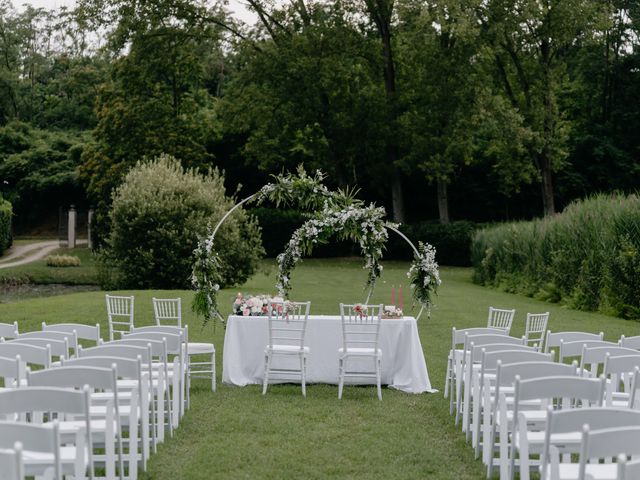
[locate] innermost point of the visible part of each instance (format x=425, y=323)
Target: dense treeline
x=458, y=109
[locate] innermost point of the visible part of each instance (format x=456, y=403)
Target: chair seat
x=285, y=349
x=600, y=471
x=197, y=348
x=360, y=351
x=35, y=461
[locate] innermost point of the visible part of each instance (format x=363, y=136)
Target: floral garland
x=424, y=275
x=204, y=279
x=364, y=225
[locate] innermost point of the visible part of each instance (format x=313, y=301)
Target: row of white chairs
x=502, y=387
x=131, y=384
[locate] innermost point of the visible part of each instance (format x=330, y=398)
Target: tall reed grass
x=588, y=256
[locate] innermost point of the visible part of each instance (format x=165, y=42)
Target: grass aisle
x=237, y=433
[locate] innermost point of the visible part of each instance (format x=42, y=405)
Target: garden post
x=71, y=231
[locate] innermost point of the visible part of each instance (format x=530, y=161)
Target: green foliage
x=158, y=214
x=62, y=261
x=587, y=256
x=6, y=235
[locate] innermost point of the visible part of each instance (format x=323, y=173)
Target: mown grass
x=238, y=433
x=39, y=273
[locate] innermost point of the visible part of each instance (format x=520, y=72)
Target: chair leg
x=378, y=361
x=303, y=367
x=267, y=366
x=188, y=379
x=213, y=372
x=341, y=377
x=447, y=377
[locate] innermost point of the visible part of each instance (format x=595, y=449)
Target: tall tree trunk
x=397, y=197
x=443, y=201
x=549, y=130
x=548, y=202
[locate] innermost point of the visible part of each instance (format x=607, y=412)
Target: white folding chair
x=40, y=446
x=536, y=328
x=11, y=464
x=8, y=330
x=529, y=424
x=554, y=339
x=104, y=420
x=501, y=318
x=169, y=311
x=287, y=329
x=454, y=360
x=563, y=435
x=83, y=332
x=133, y=396
x=11, y=372
x=148, y=395
x=465, y=375
x=76, y=456
x=120, y=314
x=618, y=371
x=484, y=387
x=502, y=415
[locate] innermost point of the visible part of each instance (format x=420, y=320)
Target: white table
x=403, y=363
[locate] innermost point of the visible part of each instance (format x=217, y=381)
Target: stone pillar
x=89, y=220
x=71, y=231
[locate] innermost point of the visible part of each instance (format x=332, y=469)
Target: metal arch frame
x=387, y=226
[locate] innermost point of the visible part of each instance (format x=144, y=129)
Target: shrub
x=6, y=237
x=157, y=216
x=588, y=256
x=62, y=261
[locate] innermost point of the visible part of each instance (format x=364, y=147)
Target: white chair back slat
x=120, y=314
x=168, y=311
x=586, y=391
x=575, y=349
x=607, y=443
x=288, y=323
x=360, y=325
x=506, y=373
x=536, y=328
x=70, y=338
x=29, y=354
x=58, y=348
x=630, y=342
x=554, y=339
x=501, y=318
x=173, y=341
x=8, y=330
x=42, y=439
x=84, y=332
x=593, y=357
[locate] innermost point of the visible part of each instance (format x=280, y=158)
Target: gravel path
x=30, y=252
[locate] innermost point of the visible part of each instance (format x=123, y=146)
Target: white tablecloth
x=403, y=363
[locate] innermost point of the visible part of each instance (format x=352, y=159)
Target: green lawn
x=238, y=433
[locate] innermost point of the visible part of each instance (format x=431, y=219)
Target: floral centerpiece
x=391, y=311
x=258, y=305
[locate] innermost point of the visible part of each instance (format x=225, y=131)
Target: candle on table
x=393, y=295
x=400, y=297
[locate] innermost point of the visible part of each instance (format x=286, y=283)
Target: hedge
x=6, y=214
x=452, y=241
x=587, y=257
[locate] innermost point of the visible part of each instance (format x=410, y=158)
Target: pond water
x=10, y=293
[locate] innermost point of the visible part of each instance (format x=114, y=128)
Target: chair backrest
x=476, y=352
x=84, y=332
x=592, y=357
x=172, y=329
x=122, y=350
x=11, y=371
x=554, y=339
x=120, y=314
x=630, y=342
x=491, y=338
x=11, y=464
x=575, y=349
x=507, y=372
x=126, y=368
x=490, y=359
x=43, y=439
x=69, y=337
x=458, y=336
x=536, y=327
x=501, y=318
x=562, y=422
x=288, y=323
x=158, y=347
x=360, y=325
x=59, y=348
x=9, y=330
x=168, y=311
x=74, y=376
x=173, y=340
x=607, y=443
x=29, y=354
x=579, y=390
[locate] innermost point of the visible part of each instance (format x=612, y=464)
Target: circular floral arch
x=336, y=214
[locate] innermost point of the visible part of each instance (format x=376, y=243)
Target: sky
x=236, y=6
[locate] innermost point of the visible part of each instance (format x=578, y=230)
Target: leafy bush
x=6, y=237
x=62, y=261
x=157, y=216
x=588, y=256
